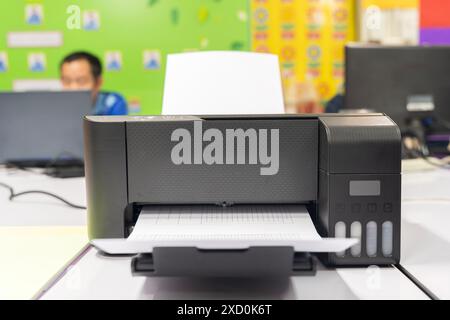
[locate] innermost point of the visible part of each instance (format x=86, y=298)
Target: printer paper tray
x=241, y=241
x=124, y=246
x=219, y=259
x=255, y=262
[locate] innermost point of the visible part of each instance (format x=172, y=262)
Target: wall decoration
x=35, y=39
x=237, y=46
x=242, y=15
x=175, y=16
x=91, y=20
x=113, y=60
x=130, y=27
x=3, y=62
x=309, y=37
x=134, y=105
x=37, y=62
x=203, y=14
x=204, y=42
x=37, y=85
x=34, y=14
x=389, y=22
x=435, y=22
x=152, y=59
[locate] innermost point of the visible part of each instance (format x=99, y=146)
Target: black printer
x=345, y=168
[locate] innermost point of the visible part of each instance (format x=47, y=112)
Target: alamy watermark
x=229, y=148
x=73, y=21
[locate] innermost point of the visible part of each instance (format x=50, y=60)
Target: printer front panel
x=189, y=162
x=365, y=206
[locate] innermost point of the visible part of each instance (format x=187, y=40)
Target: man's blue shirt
x=110, y=104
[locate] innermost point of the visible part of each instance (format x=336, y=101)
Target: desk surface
x=37, y=209
x=38, y=234
x=426, y=229
x=96, y=276
x=425, y=252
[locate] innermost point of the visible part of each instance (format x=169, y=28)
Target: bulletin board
x=309, y=36
x=131, y=37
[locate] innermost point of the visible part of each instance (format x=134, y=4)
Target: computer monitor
x=404, y=82
x=42, y=126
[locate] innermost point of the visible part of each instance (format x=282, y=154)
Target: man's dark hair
x=94, y=62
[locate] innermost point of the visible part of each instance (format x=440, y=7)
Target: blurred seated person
x=335, y=104
x=83, y=71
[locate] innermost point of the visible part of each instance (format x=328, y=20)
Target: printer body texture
x=345, y=168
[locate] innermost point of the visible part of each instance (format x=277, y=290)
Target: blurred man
x=83, y=71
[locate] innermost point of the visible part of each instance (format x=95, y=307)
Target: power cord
x=14, y=195
x=416, y=148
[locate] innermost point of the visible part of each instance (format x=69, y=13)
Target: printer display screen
x=365, y=188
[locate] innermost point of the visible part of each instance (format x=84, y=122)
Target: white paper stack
x=207, y=227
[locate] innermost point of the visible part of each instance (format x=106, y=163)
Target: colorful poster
x=309, y=37
x=3, y=62
x=34, y=14
x=37, y=62
x=113, y=60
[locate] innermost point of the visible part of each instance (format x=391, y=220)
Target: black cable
x=418, y=284
x=14, y=195
x=422, y=151
x=419, y=154
x=11, y=190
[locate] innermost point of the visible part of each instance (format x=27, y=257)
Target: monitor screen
x=398, y=80
x=42, y=126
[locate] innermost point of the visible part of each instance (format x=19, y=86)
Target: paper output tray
x=247, y=263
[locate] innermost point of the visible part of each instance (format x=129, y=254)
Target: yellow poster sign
x=309, y=37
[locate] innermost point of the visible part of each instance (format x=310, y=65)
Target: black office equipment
x=344, y=168
x=42, y=129
x=410, y=84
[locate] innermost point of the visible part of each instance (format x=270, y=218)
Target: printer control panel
x=366, y=207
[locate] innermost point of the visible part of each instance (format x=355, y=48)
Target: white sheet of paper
x=206, y=228
x=222, y=82
x=217, y=223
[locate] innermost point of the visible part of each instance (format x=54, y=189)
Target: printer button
x=372, y=207
x=387, y=207
x=356, y=208
x=340, y=208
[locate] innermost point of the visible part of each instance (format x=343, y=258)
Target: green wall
x=129, y=26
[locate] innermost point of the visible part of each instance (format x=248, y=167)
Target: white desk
x=38, y=234
x=95, y=276
x=425, y=252
x=38, y=209
x=426, y=229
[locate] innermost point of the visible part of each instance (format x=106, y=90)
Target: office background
x=134, y=37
